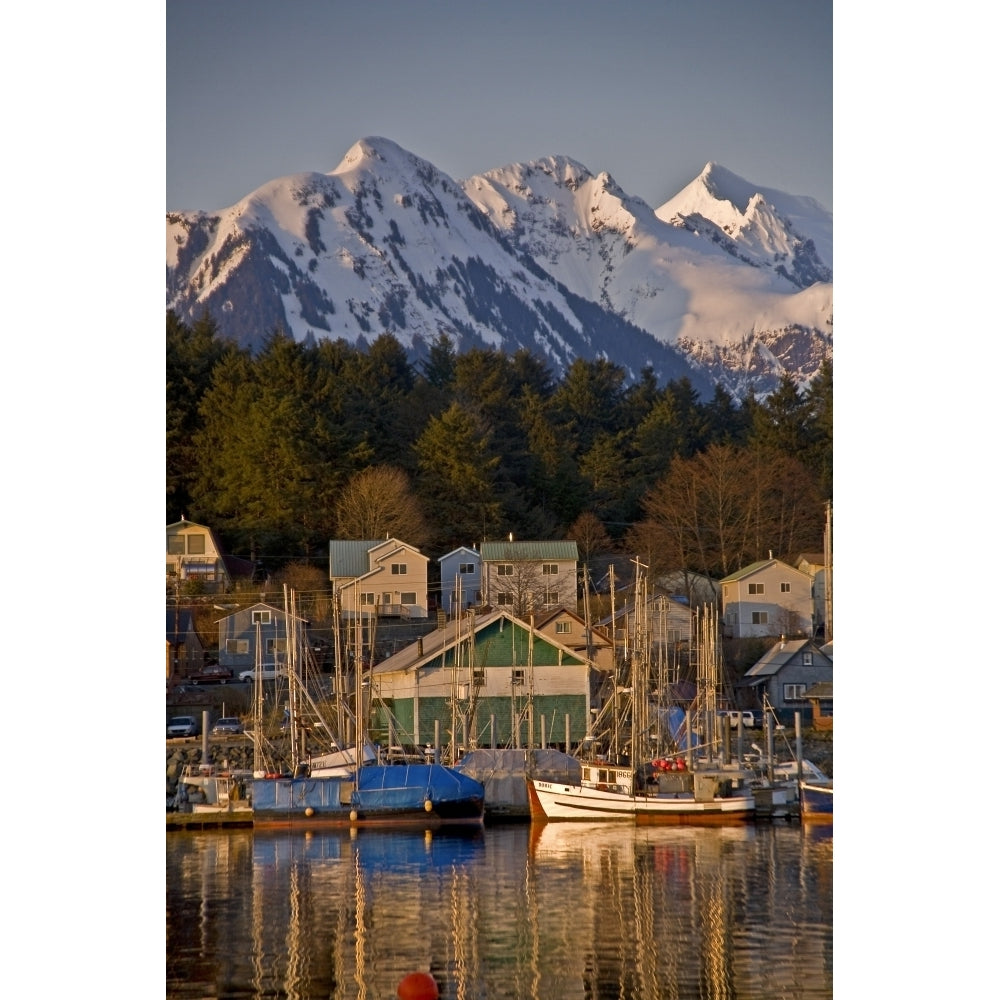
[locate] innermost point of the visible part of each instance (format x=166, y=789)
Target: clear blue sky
x=648, y=91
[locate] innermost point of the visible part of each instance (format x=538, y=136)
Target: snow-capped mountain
x=725, y=282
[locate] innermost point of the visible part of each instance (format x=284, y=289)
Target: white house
x=379, y=577
x=768, y=597
x=194, y=554
x=526, y=577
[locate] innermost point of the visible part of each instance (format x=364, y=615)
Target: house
x=461, y=580
x=185, y=650
x=239, y=634
x=194, y=556
x=768, y=597
x=820, y=697
x=526, y=577
x=693, y=587
x=494, y=681
x=566, y=627
x=785, y=674
x=813, y=564
x=667, y=622
x=378, y=578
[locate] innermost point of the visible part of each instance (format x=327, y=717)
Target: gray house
x=787, y=673
x=239, y=632
x=461, y=580
x=185, y=650
x=768, y=597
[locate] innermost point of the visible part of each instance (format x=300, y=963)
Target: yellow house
x=194, y=553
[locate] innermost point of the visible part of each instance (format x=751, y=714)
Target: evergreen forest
x=283, y=449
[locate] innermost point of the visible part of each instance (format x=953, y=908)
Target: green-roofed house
x=379, y=577
x=485, y=667
x=768, y=597
x=527, y=578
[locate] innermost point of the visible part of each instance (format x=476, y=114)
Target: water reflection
x=562, y=910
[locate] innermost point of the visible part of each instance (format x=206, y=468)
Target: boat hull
x=421, y=795
x=815, y=803
x=554, y=801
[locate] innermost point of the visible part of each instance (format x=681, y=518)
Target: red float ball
x=417, y=986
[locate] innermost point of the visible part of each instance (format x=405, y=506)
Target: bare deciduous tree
x=378, y=503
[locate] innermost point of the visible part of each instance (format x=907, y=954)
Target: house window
x=563, y=628
x=238, y=647
x=807, y=659
x=467, y=568
x=550, y=569
x=505, y=599
x=755, y=588
x=409, y=597
x=478, y=676
x=786, y=588
x=794, y=692
x=368, y=599
x=758, y=618
x=550, y=597
x=273, y=646
x=175, y=545
x=398, y=569
x=505, y=569
x=260, y=617
x=516, y=678
x=196, y=545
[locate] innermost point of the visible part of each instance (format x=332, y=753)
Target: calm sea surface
x=547, y=912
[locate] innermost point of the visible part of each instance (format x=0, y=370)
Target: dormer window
x=260, y=617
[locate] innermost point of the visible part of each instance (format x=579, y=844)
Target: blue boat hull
x=424, y=795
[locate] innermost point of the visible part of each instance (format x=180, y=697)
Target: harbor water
x=554, y=911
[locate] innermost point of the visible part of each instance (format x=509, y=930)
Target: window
x=794, y=692
x=273, y=646
x=563, y=628
x=238, y=647
x=550, y=569
x=175, y=545
x=367, y=599
x=467, y=568
x=758, y=618
x=550, y=597
x=505, y=569
x=755, y=588
x=409, y=597
x=516, y=678
x=196, y=545
x=786, y=588
x=262, y=617
x=398, y=569
x=505, y=599
x=807, y=659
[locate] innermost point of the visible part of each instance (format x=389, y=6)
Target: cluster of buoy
x=676, y=764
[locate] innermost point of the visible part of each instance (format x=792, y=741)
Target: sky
x=648, y=91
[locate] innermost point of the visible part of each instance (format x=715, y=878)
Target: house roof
x=529, y=551
x=260, y=605
x=180, y=623
x=349, y=559
x=436, y=644
x=823, y=690
x=813, y=558
x=776, y=657
x=756, y=567
x=458, y=551
x=629, y=609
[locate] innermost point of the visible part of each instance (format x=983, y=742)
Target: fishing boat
x=816, y=801
x=422, y=795
x=696, y=785
x=207, y=789
x=350, y=788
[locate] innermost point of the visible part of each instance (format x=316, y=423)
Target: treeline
x=284, y=449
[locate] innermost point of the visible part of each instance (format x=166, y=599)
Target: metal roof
x=529, y=551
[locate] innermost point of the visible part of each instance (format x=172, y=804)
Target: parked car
x=266, y=674
x=215, y=673
x=227, y=725
x=182, y=725
x=734, y=719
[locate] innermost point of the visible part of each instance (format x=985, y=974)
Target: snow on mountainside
x=544, y=256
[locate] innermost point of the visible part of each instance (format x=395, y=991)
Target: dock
x=209, y=820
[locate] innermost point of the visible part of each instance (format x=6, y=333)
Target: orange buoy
x=417, y=986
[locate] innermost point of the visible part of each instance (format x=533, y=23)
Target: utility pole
x=828, y=573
